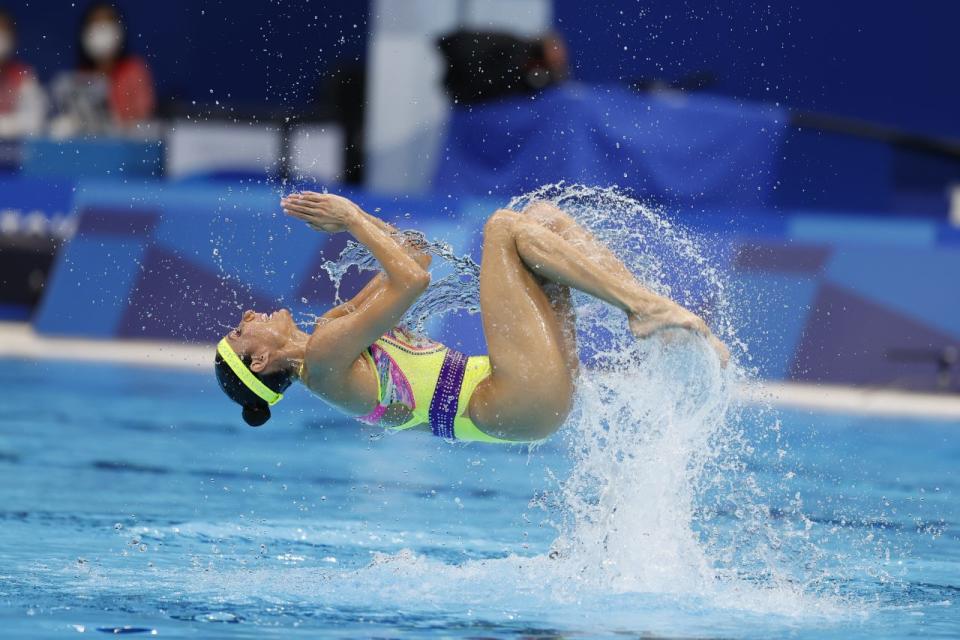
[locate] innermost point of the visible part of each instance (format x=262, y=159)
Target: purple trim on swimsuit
x=446, y=396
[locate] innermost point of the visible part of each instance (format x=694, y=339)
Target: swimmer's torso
x=407, y=367
x=421, y=382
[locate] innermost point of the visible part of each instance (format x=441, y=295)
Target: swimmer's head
x=252, y=363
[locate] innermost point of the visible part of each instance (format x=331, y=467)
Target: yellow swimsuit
x=421, y=381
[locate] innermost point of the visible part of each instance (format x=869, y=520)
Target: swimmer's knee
x=502, y=217
x=548, y=215
x=530, y=240
x=543, y=209
x=502, y=220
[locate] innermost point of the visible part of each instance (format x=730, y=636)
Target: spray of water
x=458, y=290
x=660, y=498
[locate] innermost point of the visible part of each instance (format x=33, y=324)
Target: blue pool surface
x=135, y=500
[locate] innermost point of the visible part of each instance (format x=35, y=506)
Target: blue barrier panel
x=814, y=303
x=182, y=262
x=94, y=157
x=50, y=198
x=34, y=215
x=878, y=310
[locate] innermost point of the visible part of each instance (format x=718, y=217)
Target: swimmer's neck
x=294, y=351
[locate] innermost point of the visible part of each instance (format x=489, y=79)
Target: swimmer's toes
x=642, y=327
x=722, y=352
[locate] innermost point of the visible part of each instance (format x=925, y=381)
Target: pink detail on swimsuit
x=395, y=388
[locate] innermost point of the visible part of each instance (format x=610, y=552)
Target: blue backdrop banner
x=676, y=148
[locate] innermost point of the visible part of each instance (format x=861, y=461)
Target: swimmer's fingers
x=307, y=213
x=296, y=201
x=645, y=327
x=331, y=203
x=299, y=211
x=325, y=198
x=314, y=222
x=691, y=322
x=685, y=319
x=323, y=206
x=313, y=196
x=299, y=215
x=696, y=325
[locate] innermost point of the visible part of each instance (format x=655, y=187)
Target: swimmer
x=359, y=360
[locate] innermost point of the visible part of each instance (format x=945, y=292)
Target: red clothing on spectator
x=131, y=91
x=12, y=76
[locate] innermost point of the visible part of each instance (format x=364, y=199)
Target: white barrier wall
x=316, y=151
x=406, y=106
x=208, y=148
x=195, y=149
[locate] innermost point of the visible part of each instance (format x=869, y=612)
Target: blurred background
x=815, y=144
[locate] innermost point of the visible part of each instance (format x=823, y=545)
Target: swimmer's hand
x=321, y=211
x=673, y=316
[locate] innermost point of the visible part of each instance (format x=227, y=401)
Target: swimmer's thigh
x=530, y=389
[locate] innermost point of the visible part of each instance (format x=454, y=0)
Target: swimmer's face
x=263, y=336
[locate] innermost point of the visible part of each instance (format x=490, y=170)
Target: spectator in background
x=112, y=89
x=23, y=104
x=486, y=65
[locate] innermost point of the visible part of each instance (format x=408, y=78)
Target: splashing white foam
x=660, y=498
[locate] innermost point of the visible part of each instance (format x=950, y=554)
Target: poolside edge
x=19, y=340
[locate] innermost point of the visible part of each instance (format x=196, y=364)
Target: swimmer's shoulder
x=353, y=391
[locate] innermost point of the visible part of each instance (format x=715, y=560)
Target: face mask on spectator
x=6, y=45
x=101, y=40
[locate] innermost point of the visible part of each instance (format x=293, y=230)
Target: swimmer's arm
x=324, y=212
x=414, y=248
x=338, y=343
x=373, y=285
x=413, y=245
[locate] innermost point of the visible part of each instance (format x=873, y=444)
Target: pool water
x=135, y=501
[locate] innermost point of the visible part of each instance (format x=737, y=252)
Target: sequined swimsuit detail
x=421, y=381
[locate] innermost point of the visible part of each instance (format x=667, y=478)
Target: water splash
x=660, y=498
x=458, y=290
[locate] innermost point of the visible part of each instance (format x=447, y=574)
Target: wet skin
x=530, y=263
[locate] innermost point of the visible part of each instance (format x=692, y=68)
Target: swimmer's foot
x=673, y=316
x=644, y=324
